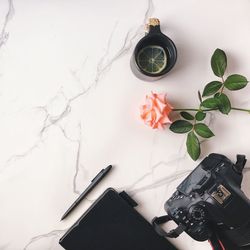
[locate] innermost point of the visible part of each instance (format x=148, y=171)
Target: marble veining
x=9, y=15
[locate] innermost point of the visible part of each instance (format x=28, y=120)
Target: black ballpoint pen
x=93, y=183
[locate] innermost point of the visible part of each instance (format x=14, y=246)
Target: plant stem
x=184, y=109
x=205, y=110
x=240, y=109
x=192, y=109
x=223, y=85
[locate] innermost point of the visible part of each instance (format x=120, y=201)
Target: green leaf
x=235, y=82
x=186, y=115
x=211, y=88
x=219, y=62
x=181, y=126
x=203, y=130
x=193, y=146
x=224, y=104
x=200, y=116
x=210, y=103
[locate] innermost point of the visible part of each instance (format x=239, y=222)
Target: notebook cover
x=112, y=223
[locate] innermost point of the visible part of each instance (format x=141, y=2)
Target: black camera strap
x=157, y=221
x=240, y=163
x=215, y=241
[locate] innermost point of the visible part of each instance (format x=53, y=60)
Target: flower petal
x=155, y=112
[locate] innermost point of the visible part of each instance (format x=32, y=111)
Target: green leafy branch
x=213, y=98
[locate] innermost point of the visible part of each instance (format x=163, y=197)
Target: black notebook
x=112, y=223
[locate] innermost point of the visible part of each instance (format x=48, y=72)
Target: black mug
x=154, y=55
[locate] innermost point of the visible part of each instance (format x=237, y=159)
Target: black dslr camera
x=209, y=201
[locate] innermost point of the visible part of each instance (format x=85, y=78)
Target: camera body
x=210, y=199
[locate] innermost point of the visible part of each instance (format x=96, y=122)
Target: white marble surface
x=69, y=106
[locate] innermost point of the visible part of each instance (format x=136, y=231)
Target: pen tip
x=109, y=167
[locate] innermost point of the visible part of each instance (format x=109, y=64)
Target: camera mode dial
x=197, y=213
